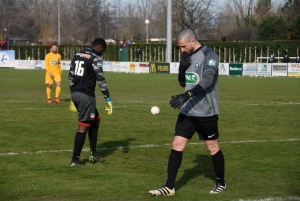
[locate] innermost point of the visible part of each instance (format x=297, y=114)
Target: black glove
x=178, y=100
x=185, y=62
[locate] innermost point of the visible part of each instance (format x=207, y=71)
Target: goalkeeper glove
x=185, y=62
x=72, y=107
x=108, y=106
x=178, y=100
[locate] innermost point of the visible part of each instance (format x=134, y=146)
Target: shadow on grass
x=203, y=167
x=108, y=148
x=65, y=100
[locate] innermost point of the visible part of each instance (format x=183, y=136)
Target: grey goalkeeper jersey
x=203, y=71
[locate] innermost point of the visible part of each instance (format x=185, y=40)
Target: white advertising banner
x=38, y=64
x=133, y=67
x=294, y=69
x=107, y=66
x=279, y=69
x=249, y=69
x=7, y=58
x=223, y=68
x=264, y=69
x=174, y=67
x=65, y=65
x=143, y=67
x=120, y=67
x=30, y=64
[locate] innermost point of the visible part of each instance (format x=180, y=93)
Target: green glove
x=108, y=106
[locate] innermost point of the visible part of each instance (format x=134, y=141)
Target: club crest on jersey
x=212, y=62
x=197, y=65
x=99, y=64
x=191, y=78
x=92, y=116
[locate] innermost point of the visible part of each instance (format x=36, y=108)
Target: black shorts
x=206, y=127
x=86, y=107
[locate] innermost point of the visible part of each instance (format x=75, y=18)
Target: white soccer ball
x=155, y=110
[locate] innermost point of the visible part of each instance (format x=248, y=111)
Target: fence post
x=255, y=54
x=260, y=54
x=229, y=55
x=225, y=54
x=162, y=53
x=150, y=57
x=154, y=54
x=249, y=54
x=245, y=55
x=146, y=53
x=38, y=53
x=219, y=54
x=233, y=55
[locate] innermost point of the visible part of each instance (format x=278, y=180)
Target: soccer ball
x=155, y=110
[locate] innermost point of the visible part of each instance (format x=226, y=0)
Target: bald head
x=186, y=34
x=187, y=41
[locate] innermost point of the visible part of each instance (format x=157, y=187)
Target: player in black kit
x=86, y=69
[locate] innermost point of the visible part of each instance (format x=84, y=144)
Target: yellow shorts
x=49, y=79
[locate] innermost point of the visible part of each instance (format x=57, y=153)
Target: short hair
x=186, y=34
x=52, y=45
x=99, y=41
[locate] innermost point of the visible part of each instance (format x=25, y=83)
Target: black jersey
x=86, y=69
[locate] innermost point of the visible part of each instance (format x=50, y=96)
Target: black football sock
x=78, y=145
x=93, y=135
x=175, y=159
x=219, y=166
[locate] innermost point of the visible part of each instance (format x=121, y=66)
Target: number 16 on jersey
x=78, y=68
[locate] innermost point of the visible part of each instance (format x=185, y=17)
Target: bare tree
x=235, y=20
x=194, y=14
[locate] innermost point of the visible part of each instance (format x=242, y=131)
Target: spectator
x=138, y=52
x=298, y=59
x=128, y=42
x=272, y=59
x=286, y=58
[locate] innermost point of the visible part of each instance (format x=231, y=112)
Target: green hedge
x=238, y=52
x=38, y=52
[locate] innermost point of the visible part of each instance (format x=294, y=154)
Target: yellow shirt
x=53, y=63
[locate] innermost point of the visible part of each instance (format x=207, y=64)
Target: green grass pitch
x=259, y=134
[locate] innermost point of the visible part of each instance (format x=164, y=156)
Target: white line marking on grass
x=275, y=199
x=143, y=146
x=145, y=102
x=221, y=102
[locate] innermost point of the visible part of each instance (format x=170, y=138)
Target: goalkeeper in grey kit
x=198, y=73
x=86, y=69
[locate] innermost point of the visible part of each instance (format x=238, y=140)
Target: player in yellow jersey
x=53, y=72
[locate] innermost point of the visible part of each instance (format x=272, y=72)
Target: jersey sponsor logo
x=99, y=64
x=212, y=62
x=197, y=65
x=92, y=116
x=54, y=62
x=83, y=55
x=191, y=78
